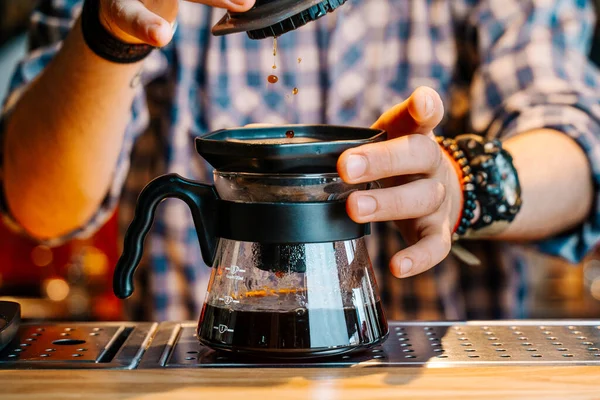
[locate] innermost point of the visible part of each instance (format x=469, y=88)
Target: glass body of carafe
x=290, y=300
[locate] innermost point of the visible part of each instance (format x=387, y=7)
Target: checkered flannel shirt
x=502, y=67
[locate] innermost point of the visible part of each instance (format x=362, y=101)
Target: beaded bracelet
x=467, y=178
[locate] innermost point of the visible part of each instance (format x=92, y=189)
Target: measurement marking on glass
x=228, y=300
x=223, y=328
x=233, y=270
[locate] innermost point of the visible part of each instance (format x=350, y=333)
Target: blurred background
x=74, y=281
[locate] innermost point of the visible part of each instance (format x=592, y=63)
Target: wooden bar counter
x=565, y=382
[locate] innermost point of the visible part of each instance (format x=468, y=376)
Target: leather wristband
x=496, y=184
x=103, y=43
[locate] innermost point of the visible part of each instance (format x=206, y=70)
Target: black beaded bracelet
x=103, y=43
x=467, y=179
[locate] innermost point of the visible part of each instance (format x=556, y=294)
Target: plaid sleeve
x=50, y=24
x=535, y=73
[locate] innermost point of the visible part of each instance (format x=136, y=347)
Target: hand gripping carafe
x=291, y=276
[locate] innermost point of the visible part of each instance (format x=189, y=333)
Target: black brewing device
x=272, y=18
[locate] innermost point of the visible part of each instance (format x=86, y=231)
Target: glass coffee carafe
x=290, y=299
x=291, y=275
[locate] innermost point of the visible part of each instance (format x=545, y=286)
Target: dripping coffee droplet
x=289, y=134
x=272, y=79
x=275, y=53
x=295, y=91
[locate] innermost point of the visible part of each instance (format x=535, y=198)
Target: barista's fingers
x=132, y=22
x=412, y=200
x=429, y=251
x=407, y=155
x=420, y=113
x=232, y=5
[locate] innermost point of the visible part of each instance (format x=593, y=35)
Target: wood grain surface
x=291, y=384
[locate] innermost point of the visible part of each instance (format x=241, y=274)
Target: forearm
x=556, y=182
x=63, y=138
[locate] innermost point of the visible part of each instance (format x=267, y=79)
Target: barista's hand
x=422, y=191
x=150, y=21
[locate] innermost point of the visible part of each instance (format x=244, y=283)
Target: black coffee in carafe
x=313, y=333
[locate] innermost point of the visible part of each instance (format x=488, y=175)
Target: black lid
x=313, y=148
x=272, y=18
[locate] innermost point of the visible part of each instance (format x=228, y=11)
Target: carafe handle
x=202, y=200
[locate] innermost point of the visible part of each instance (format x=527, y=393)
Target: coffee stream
x=274, y=53
x=273, y=79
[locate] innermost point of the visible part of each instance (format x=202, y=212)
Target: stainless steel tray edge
x=136, y=345
x=161, y=346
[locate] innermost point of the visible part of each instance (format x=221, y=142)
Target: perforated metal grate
x=411, y=344
x=60, y=343
x=173, y=345
x=76, y=346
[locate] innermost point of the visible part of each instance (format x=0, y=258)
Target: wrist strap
x=103, y=43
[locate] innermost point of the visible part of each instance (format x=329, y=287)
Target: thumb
x=419, y=114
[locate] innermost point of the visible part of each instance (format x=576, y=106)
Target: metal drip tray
x=410, y=344
x=79, y=345
x=413, y=344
